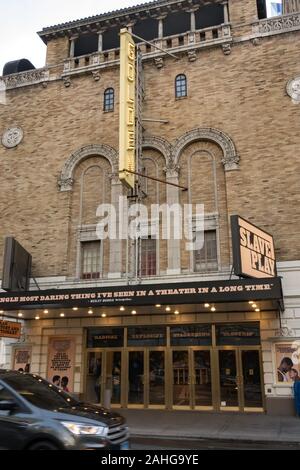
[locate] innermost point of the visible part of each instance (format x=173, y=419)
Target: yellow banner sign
x=9, y=329
x=127, y=109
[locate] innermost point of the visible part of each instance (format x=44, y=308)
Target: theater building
x=149, y=323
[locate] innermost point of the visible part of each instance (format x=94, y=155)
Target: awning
x=233, y=292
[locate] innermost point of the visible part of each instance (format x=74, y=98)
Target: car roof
x=9, y=373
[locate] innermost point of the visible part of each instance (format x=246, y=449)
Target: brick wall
x=242, y=94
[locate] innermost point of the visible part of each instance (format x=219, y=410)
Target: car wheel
x=43, y=445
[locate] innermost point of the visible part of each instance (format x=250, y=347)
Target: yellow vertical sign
x=127, y=109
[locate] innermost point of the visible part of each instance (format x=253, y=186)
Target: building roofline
x=123, y=12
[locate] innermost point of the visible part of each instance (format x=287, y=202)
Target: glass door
x=229, y=380
x=181, y=379
x=113, y=381
x=94, y=377
x=201, y=379
x=240, y=379
x=251, y=380
x=136, y=378
x=156, y=379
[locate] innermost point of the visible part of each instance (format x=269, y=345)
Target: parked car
x=37, y=415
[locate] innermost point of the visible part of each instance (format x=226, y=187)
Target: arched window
x=180, y=86
x=109, y=99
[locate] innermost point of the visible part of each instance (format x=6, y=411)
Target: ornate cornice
x=123, y=16
x=277, y=25
x=30, y=77
x=172, y=153
x=160, y=144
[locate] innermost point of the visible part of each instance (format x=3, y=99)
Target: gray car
x=36, y=415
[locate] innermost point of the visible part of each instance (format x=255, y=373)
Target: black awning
x=16, y=66
x=148, y=294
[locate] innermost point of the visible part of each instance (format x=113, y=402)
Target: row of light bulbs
x=103, y=315
x=254, y=306
x=134, y=312
x=122, y=309
x=212, y=307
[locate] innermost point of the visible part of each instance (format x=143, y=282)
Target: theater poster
x=287, y=356
x=22, y=358
x=61, y=362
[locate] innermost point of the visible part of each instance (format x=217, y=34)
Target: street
x=205, y=444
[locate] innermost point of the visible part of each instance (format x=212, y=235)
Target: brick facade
x=242, y=94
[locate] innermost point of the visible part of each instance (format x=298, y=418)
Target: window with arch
x=109, y=99
x=180, y=86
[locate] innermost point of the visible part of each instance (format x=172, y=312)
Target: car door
x=12, y=423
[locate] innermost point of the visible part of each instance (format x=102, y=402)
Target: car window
x=6, y=395
x=39, y=392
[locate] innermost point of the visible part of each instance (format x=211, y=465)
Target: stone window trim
x=211, y=222
x=151, y=229
x=109, y=100
x=181, y=86
x=141, y=268
x=170, y=152
x=161, y=145
x=87, y=233
x=179, y=98
x=66, y=179
x=212, y=158
x=230, y=158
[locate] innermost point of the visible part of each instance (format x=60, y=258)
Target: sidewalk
x=217, y=426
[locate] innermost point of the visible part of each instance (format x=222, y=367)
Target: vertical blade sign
x=127, y=109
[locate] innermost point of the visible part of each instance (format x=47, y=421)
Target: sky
x=21, y=19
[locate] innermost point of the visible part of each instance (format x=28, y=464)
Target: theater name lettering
x=253, y=250
x=261, y=252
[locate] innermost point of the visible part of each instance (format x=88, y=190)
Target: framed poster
x=10, y=329
x=22, y=358
x=61, y=362
x=287, y=357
